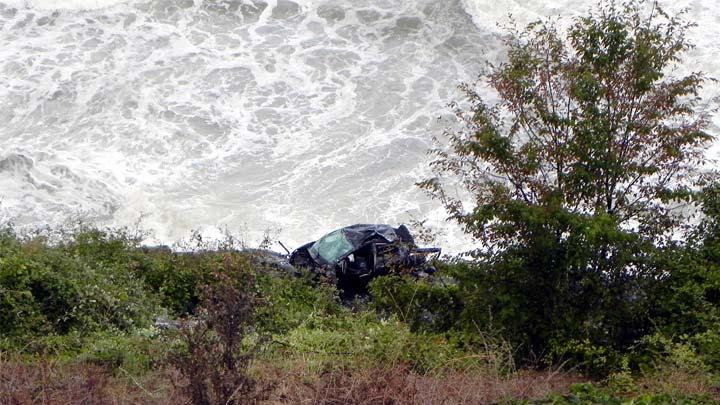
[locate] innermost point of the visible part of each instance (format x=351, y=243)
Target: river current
x=300, y=116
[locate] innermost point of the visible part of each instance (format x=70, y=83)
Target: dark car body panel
x=362, y=251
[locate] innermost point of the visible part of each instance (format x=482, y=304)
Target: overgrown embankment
x=78, y=311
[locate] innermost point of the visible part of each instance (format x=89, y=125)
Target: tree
x=586, y=163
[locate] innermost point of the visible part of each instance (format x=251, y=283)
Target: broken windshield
x=331, y=247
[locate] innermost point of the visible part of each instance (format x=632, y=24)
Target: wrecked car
x=353, y=255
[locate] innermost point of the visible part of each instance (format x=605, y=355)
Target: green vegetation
x=581, y=181
x=283, y=325
x=592, y=283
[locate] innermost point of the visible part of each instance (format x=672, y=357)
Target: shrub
x=587, y=393
x=362, y=340
x=177, y=278
x=685, y=300
x=74, y=286
x=214, y=360
x=289, y=301
x=425, y=306
x=135, y=353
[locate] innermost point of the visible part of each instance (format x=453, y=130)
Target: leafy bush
x=340, y=340
x=289, y=301
x=177, y=278
x=78, y=285
x=685, y=301
x=134, y=353
x=425, y=306
x=591, y=394
x=362, y=340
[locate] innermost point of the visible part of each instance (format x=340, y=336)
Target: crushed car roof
x=340, y=243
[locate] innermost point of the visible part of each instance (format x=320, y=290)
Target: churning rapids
x=303, y=116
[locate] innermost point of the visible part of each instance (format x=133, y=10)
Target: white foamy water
x=304, y=116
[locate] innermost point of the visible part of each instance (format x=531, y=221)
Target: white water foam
x=63, y=4
x=304, y=116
